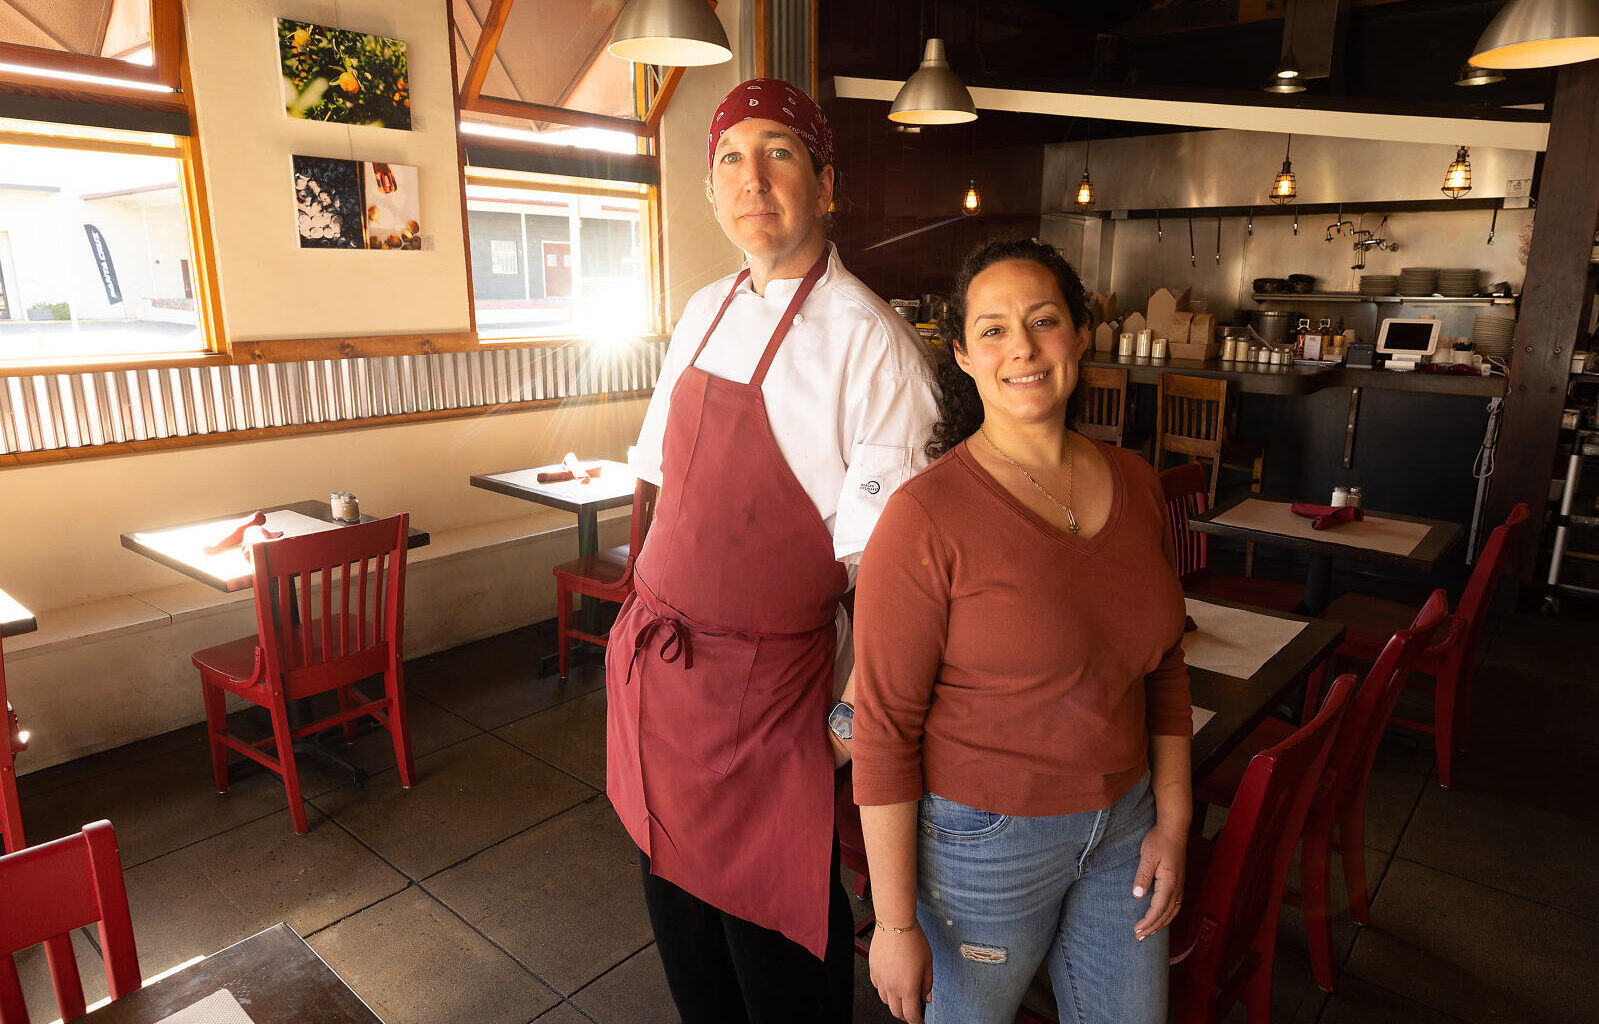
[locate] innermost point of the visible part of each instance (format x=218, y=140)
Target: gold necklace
x=1065, y=506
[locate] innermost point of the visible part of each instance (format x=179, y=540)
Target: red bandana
x=774, y=100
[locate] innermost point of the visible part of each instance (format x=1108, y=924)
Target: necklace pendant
x=1071, y=522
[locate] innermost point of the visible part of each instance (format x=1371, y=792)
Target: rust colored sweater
x=1005, y=664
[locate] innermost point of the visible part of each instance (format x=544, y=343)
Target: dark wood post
x=1554, y=311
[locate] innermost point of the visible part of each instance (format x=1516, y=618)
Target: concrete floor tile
x=564, y=898
x=1542, y=855
x=564, y=1013
x=1391, y=795
x=1359, y=1002
x=570, y=736
x=414, y=962
x=1291, y=938
x=203, y=897
x=634, y=992
x=157, y=804
x=496, y=681
x=57, y=776
x=466, y=797
x=1476, y=953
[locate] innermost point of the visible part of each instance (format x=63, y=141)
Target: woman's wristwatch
x=842, y=721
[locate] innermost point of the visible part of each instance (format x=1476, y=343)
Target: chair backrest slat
x=1184, y=488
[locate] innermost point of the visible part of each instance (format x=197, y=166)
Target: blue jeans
x=998, y=896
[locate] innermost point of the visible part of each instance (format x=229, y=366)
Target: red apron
x=719, y=670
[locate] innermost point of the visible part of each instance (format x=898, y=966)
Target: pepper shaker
x=346, y=508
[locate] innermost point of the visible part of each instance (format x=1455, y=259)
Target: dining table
x=182, y=547
x=15, y=620
x=1381, y=538
x=272, y=977
x=610, y=487
x=1243, y=661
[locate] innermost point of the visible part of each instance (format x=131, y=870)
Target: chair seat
x=233, y=663
x=606, y=567
x=1368, y=623
x=1275, y=594
x=1219, y=786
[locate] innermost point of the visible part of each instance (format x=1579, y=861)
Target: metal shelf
x=1413, y=300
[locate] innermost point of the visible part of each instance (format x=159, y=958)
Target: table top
x=273, y=972
x=233, y=576
x=1342, y=542
x=1241, y=704
x=15, y=619
x=613, y=488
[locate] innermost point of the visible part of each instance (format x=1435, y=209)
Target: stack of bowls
x=1492, y=335
x=1418, y=280
x=1379, y=284
x=1457, y=282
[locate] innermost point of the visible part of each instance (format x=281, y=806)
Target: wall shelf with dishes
x=1413, y=300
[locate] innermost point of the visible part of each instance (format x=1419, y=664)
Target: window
x=96, y=246
x=559, y=260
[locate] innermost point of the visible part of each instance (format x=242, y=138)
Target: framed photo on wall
x=331, y=74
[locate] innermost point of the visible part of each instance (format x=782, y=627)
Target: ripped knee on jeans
x=983, y=954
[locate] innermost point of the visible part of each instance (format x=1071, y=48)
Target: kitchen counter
x=1296, y=379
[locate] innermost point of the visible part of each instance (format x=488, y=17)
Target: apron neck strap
x=784, y=322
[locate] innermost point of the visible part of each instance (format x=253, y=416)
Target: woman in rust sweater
x=1022, y=728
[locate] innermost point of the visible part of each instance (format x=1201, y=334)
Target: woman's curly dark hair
x=960, y=409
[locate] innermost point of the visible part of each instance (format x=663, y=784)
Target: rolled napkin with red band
x=249, y=530
x=1325, y=517
x=559, y=475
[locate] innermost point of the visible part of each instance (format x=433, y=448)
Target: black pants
x=724, y=970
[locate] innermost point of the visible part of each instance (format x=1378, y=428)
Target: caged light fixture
x=1085, y=188
x=972, y=201
x=1457, y=180
x=1285, y=189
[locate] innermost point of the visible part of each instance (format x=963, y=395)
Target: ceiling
x=551, y=52
x=99, y=28
x=1387, y=55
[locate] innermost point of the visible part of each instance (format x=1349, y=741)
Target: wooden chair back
x=645, y=495
x=330, y=606
x=1185, y=489
x=11, y=743
x=1224, y=943
x=1191, y=416
x=1102, y=410
x=48, y=891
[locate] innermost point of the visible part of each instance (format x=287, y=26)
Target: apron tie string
x=678, y=642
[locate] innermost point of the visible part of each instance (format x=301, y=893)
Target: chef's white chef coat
x=850, y=396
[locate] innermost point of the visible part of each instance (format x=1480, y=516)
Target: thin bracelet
x=890, y=928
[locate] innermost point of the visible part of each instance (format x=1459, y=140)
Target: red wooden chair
x=606, y=575
x=1224, y=939
x=49, y=890
x=343, y=592
x=1340, y=800
x=13, y=740
x=1451, y=662
x=1186, y=496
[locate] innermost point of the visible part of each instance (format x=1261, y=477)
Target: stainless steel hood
x=1231, y=169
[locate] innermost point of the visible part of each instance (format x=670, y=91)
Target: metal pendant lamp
x=1286, y=77
x=1540, y=34
x=933, y=95
x=672, y=33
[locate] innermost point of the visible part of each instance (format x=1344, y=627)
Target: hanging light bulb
x=1539, y=34
x=1457, y=180
x=1085, y=191
x=972, y=202
x=933, y=95
x=1285, y=189
x=672, y=33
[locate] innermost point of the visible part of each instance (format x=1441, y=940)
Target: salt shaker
x=346, y=508
x=1340, y=497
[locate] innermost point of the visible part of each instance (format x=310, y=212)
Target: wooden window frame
x=166, y=47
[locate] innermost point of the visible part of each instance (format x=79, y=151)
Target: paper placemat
x=1201, y=716
x=1375, y=532
x=187, y=543
x=217, y=1008
x=1235, y=641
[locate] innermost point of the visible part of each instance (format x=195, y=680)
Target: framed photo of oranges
x=331, y=74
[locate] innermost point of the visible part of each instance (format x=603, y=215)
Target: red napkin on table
x=1325, y=517
x=251, y=526
x=556, y=476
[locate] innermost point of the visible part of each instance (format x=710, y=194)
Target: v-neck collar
x=1118, y=501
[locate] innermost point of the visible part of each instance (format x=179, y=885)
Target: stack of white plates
x=1457, y=282
x=1379, y=284
x=1418, y=280
x=1492, y=335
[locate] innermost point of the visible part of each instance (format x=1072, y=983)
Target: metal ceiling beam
x=1514, y=133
